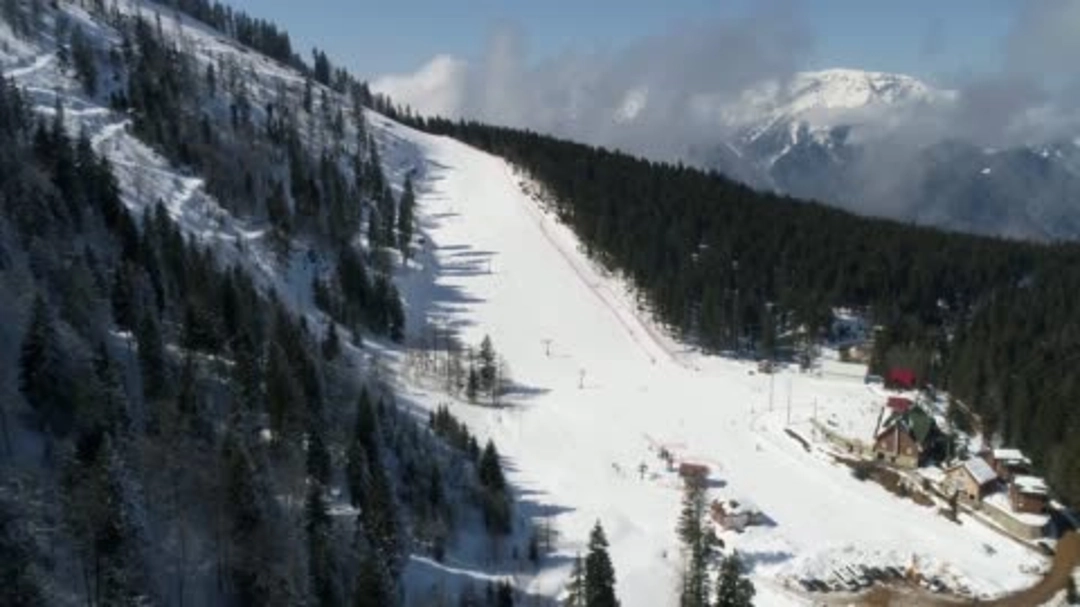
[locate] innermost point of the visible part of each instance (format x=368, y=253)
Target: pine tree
x=82, y=57
x=504, y=594
x=307, y=95
x=331, y=345
x=371, y=585
x=694, y=577
x=114, y=401
x=320, y=558
x=21, y=584
x=487, y=369
x=318, y=457
x=490, y=468
x=496, y=501
x=575, y=588
x=40, y=378
x=406, y=208
x=472, y=385
x=599, y=572
x=151, y=356
x=733, y=588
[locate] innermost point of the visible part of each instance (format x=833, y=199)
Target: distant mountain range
x=839, y=136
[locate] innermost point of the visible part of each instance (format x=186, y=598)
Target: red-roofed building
x=899, y=404
x=901, y=378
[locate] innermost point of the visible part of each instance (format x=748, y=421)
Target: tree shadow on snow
x=765, y=557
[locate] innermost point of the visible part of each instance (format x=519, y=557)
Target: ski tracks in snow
x=638, y=328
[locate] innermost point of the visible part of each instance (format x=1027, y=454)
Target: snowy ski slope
x=614, y=390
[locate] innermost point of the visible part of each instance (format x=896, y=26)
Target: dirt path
x=1066, y=559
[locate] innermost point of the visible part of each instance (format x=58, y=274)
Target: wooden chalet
x=903, y=439
x=1029, y=494
x=972, y=480
x=1007, y=463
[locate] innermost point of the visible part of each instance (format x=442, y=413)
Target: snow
x=572, y=447
x=986, y=171
x=38, y=64
x=1030, y=485
x=980, y=470
x=821, y=99
x=1010, y=456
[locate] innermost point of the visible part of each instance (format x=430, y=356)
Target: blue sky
x=927, y=38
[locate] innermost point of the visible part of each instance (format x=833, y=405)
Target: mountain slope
x=603, y=389
x=196, y=407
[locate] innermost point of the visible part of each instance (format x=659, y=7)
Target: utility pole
x=772, y=382
x=789, y=390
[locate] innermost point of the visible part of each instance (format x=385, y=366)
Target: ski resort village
x=521, y=381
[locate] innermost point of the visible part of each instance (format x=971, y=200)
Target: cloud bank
x=646, y=97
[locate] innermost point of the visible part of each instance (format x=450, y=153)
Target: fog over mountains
x=995, y=152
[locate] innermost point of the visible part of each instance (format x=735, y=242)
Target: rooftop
x=1030, y=484
x=1011, y=456
x=735, y=507
x=980, y=471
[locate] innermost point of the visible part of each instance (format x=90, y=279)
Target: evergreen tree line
x=492, y=494
x=733, y=270
x=258, y=34
x=264, y=163
x=270, y=40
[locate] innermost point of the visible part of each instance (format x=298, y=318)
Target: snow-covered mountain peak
x=847, y=88
x=822, y=99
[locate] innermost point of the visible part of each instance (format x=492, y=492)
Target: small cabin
x=1029, y=494
x=972, y=479
x=736, y=515
x=1007, y=463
